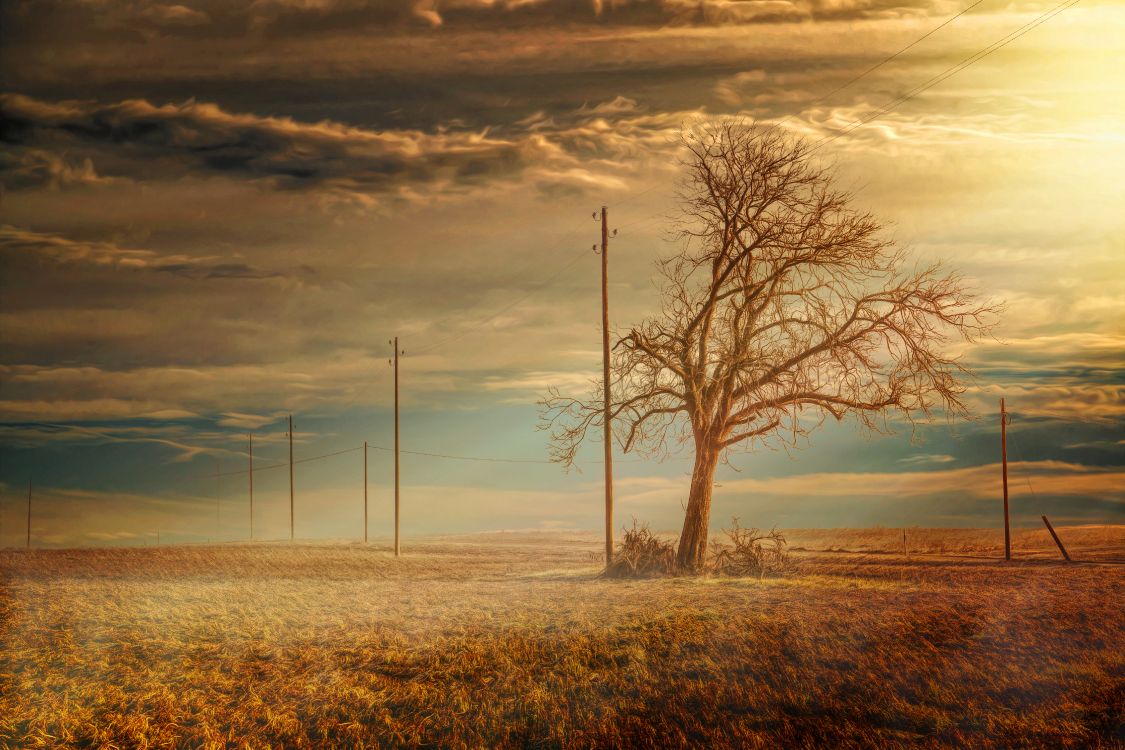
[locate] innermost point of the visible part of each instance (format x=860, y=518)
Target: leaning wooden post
x=1055, y=536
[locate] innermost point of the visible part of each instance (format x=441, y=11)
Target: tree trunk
x=693, y=539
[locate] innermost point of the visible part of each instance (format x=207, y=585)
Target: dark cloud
x=138, y=139
x=125, y=19
x=16, y=242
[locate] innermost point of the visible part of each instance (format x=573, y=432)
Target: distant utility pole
x=218, y=466
x=291, y=536
x=29, y=514
x=396, y=449
x=251, y=436
x=365, y=492
x=606, y=393
x=1004, y=461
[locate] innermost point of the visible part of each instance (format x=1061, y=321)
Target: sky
x=215, y=214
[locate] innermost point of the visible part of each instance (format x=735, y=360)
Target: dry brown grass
x=514, y=641
x=1093, y=542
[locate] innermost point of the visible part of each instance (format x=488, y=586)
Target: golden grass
x=513, y=641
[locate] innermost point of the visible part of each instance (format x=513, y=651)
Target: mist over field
x=512, y=640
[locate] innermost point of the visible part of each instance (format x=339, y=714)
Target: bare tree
x=785, y=306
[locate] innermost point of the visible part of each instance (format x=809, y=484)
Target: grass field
x=511, y=640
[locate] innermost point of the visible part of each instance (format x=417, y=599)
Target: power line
x=951, y=71
x=370, y=446
x=485, y=321
x=824, y=141
x=881, y=63
x=463, y=458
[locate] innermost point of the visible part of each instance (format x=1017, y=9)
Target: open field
x=511, y=640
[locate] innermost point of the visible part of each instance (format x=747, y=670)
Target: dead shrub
x=750, y=552
x=642, y=554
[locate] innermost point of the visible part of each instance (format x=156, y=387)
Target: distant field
x=511, y=640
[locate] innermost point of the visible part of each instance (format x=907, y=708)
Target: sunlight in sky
x=214, y=217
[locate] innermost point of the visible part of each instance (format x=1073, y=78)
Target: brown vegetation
x=750, y=552
x=512, y=640
x=642, y=554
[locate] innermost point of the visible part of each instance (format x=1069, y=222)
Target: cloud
x=928, y=458
x=174, y=15
x=304, y=17
x=247, y=421
x=1047, y=478
x=38, y=432
x=33, y=167
x=171, y=140
x=1055, y=478
x=1005, y=119
x=15, y=242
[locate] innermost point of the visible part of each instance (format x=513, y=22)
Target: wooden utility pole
x=1055, y=536
x=1004, y=460
x=29, y=514
x=606, y=394
x=251, y=436
x=291, y=537
x=396, y=448
x=217, y=469
x=365, y=492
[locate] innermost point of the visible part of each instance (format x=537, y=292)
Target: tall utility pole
x=396, y=447
x=251, y=436
x=1004, y=460
x=606, y=394
x=365, y=492
x=291, y=537
x=29, y=514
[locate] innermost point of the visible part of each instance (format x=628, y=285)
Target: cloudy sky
x=217, y=213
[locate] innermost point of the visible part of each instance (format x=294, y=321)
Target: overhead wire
x=881, y=63
x=951, y=71
x=921, y=88
x=944, y=75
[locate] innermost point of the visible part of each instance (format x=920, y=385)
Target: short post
x=29, y=514
x=905, y=551
x=1055, y=536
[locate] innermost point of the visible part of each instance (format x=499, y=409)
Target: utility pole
x=251, y=436
x=29, y=514
x=396, y=449
x=1004, y=460
x=217, y=467
x=365, y=492
x=291, y=537
x=606, y=394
